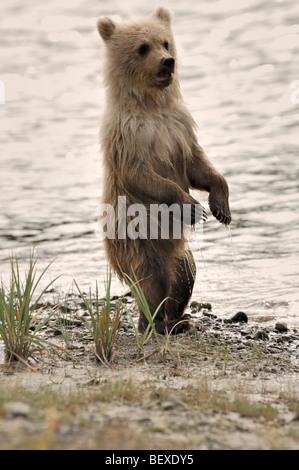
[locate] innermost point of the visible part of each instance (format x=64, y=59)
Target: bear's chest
x=167, y=141
x=169, y=150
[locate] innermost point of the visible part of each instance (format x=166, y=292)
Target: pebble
x=173, y=403
x=68, y=429
x=65, y=309
x=275, y=349
x=246, y=332
x=57, y=332
x=16, y=409
x=280, y=326
x=200, y=305
x=239, y=317
x=210, y=315
x=261, y=335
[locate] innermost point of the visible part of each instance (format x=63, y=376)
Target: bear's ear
x=106, y=28
x=164, y=15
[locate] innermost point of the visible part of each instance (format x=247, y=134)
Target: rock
x=281, y=326
x=65, y=309
x=200, y=305
x=68, y=429
x=16, y=409
x=275, y=349
x=82, y=305
x=240, y=317
x=173, y=403
x=246, y=332
x=120, y=297
x=210, y=315
x=261, y=335
x=57, y=332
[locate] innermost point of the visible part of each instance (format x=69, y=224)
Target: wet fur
x=151, y=156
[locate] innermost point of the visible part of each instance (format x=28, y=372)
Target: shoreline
x=220, y=386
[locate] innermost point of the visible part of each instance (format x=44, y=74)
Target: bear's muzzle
x=164, y=76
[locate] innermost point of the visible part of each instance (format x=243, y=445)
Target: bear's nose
x=168, y=62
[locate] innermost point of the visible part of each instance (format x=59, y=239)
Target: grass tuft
x=138, y=294
x=20, y=310
x=104, y=324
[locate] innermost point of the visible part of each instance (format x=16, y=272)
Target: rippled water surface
x=237, y=63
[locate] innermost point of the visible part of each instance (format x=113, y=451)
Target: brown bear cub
x=152, y=157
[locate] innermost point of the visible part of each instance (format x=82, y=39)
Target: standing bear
x=152, y=157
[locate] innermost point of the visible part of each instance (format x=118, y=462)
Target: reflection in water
x=237, y=63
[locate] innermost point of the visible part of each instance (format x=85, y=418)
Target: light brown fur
x=151, y=156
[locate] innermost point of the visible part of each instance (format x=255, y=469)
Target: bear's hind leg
x=157, y=287
x=180, y=294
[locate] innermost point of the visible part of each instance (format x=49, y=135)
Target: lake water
x=237, y=61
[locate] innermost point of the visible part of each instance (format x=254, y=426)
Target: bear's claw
x=221, y=214
x=223, y=217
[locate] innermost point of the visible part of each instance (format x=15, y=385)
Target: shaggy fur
x=151, y=156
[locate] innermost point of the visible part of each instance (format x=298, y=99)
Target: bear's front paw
x=194, y=212
x=220, y=210
x=198, y=214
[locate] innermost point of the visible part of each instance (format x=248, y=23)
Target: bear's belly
x=174, y=169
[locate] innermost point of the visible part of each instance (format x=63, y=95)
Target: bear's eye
x=166, y=45
x=143, y=49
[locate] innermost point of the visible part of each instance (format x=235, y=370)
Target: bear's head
x=141, y=54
